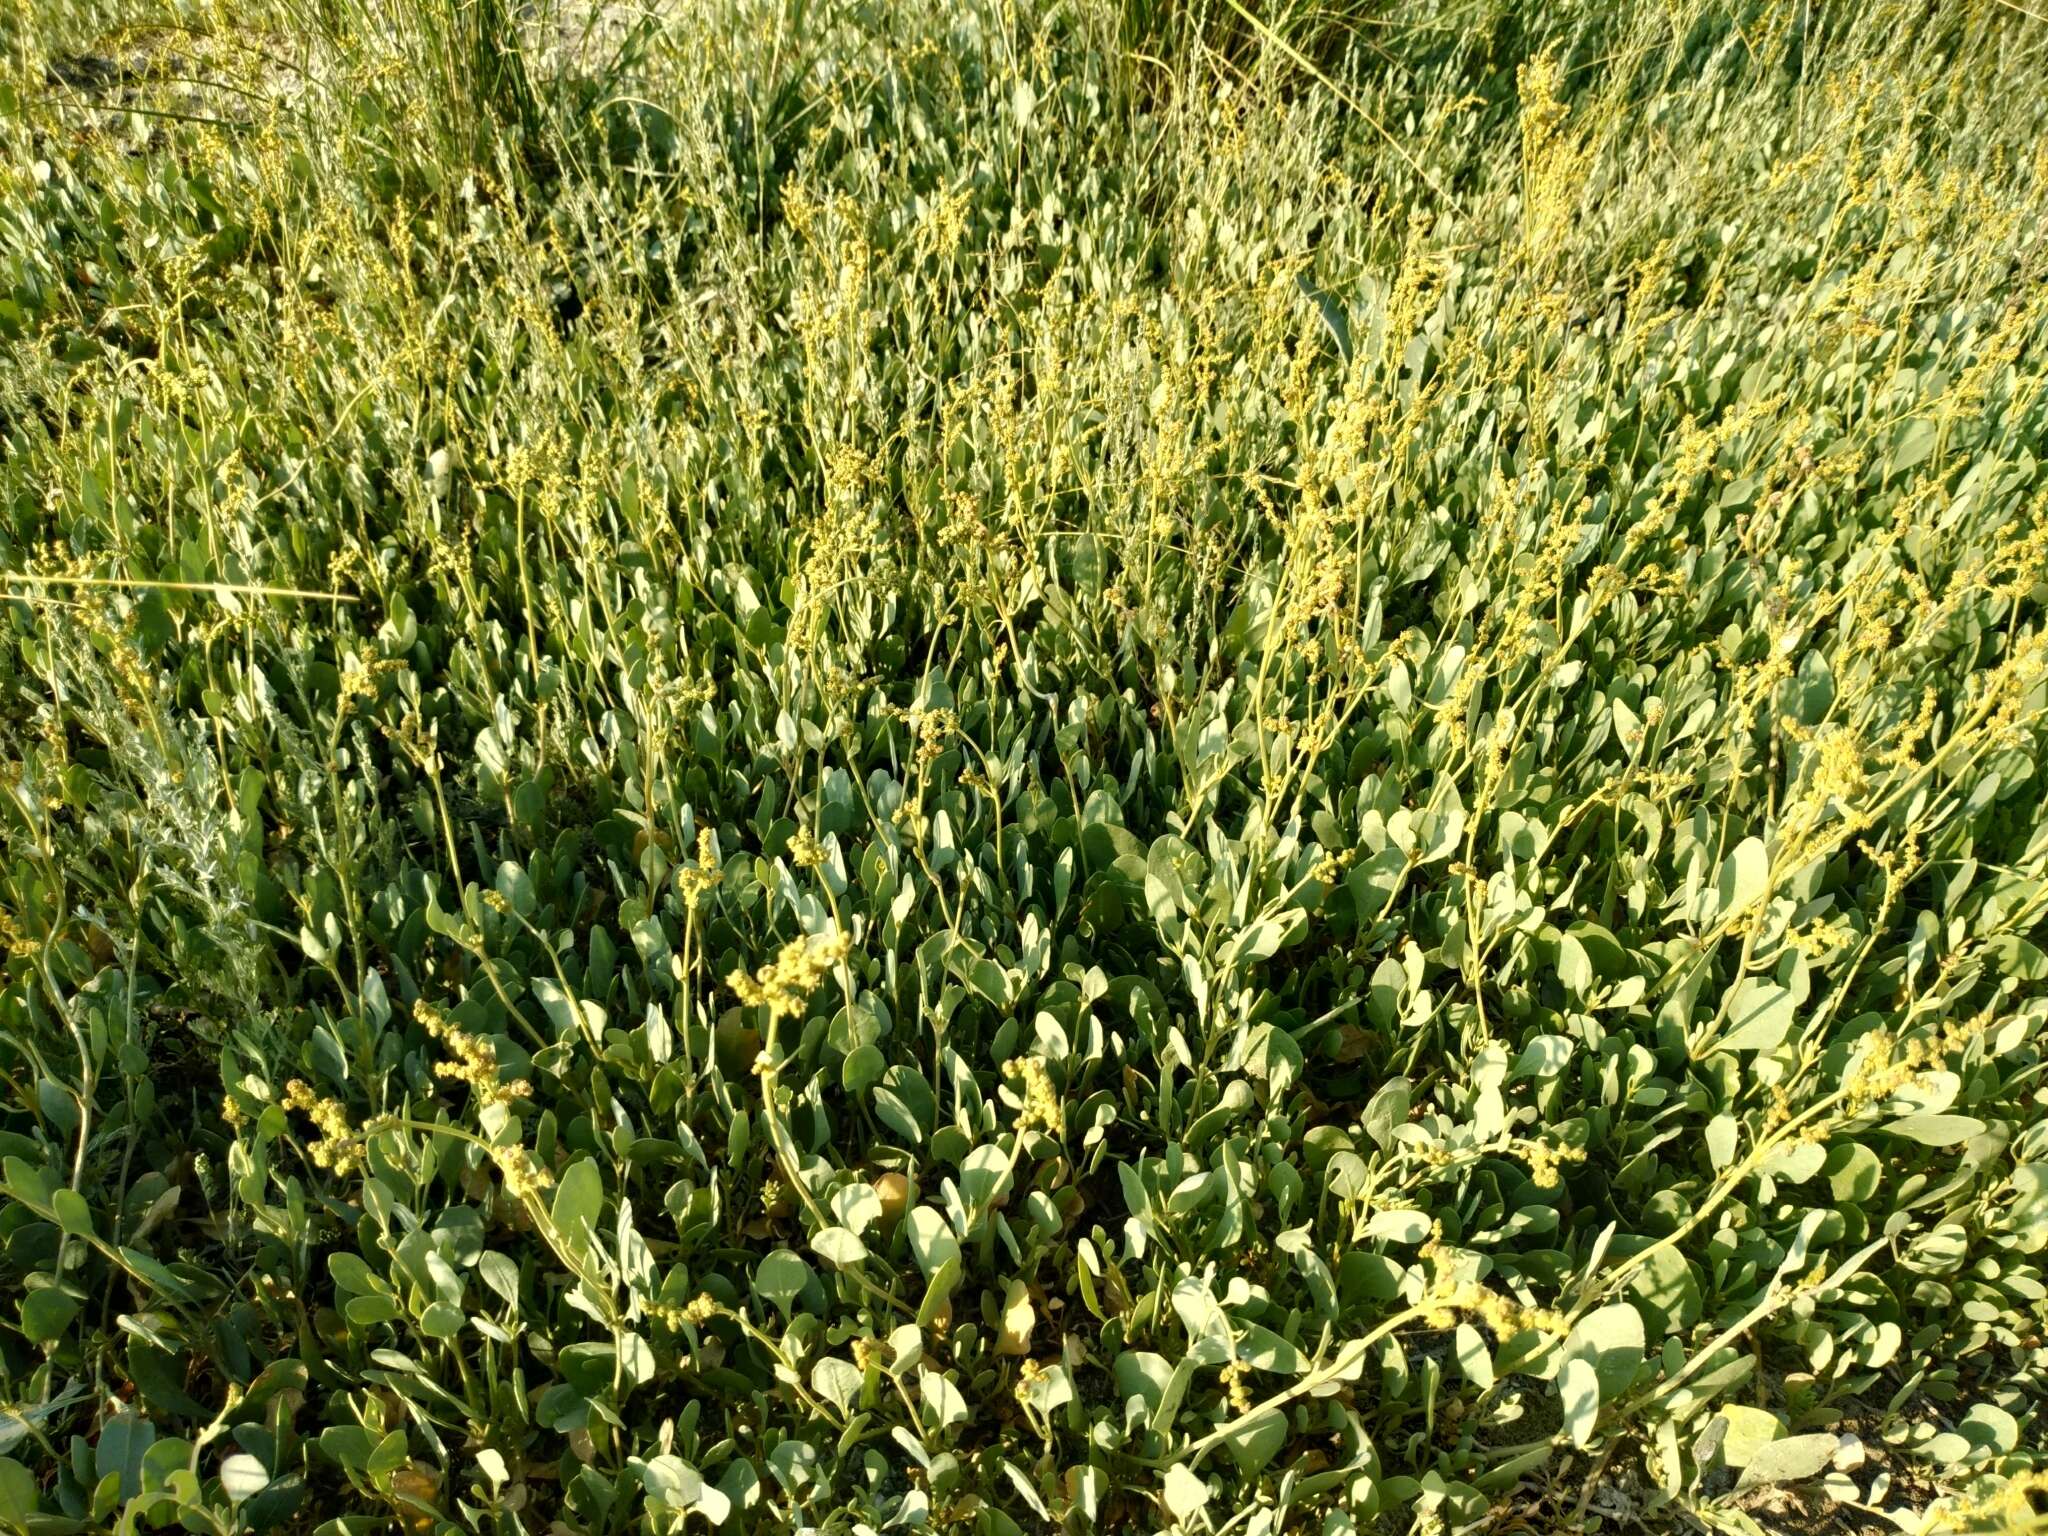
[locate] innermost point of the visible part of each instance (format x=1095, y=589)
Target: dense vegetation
x=796, y=764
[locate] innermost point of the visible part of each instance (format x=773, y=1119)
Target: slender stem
x=1349, y=1357
x=237, y=589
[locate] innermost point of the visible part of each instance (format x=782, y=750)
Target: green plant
x=862, y=765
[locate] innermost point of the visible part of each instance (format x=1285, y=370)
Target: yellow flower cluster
x=1316, y=590
x=845, y=542
x=1822, y=936
x=933, y=727
x=1510, y=635
x=1907, y=739
x=1236, y=1382
x=1503, y=1316
x=1839, y=779
x=805, y=851
x=695, y=880
x=359, y=677
x=1331, y=866
x=1041, y=1103
x=1883, y=1070
x=870, y=1354
x=848, y=472
x=338, y=1150
x=1780, y=1109
x=1545, y=1158
x=1552, y=167
x=698, y=1311
x=943, y=224
x=1886, y=1067
x=2012, y=686
x=1434, y=1154
x=476, y=1059
x=786, y=983
x=524, y=1177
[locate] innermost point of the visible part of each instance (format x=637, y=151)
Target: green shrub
x=1067, y=764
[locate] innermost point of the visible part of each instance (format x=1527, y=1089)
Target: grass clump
x=787, y=764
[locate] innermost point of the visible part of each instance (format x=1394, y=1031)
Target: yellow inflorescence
x=1041, y=1103
x=475, y=1058
x=944, y=223
x=698, y=1311
x=1237, y=1382
x=1502, y=1315
x=695, y=880
x=1553, y=168
x=338, y=1150
x=1545, y=1158
x=786, y=983
x=524, y=1177
x=1887, y=1065
x=934, y=727
x=1331, y=866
